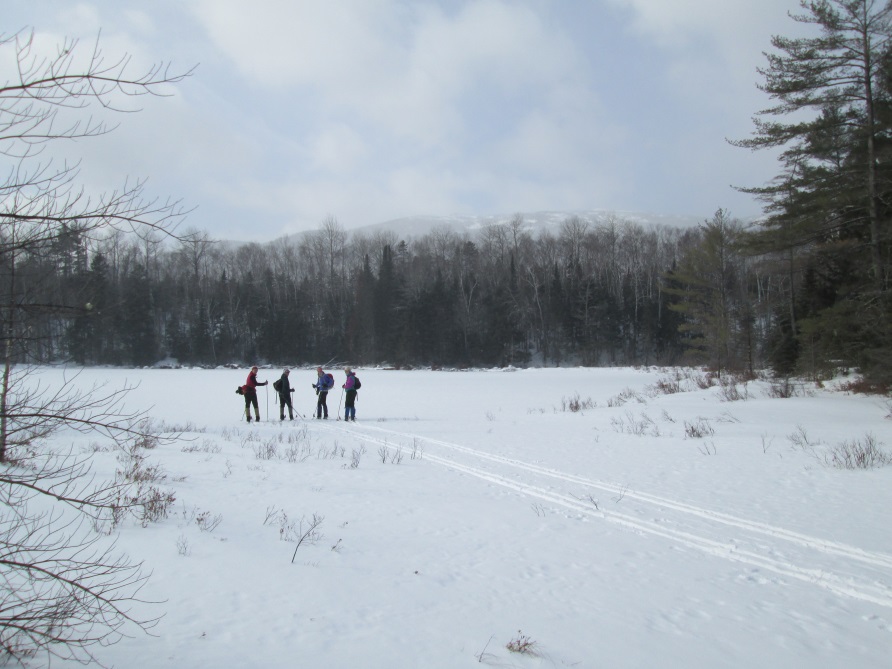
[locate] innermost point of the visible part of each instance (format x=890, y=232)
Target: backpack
x=356, y=384
x=277, y=385
x=327, y=382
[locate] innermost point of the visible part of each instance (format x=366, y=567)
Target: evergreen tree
x=708, y=282
x=828, y=204
x=137, y=328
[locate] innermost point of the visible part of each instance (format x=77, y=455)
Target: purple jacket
x=348, y=384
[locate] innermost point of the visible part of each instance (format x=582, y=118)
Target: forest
x=611, y=293
x=593, y=295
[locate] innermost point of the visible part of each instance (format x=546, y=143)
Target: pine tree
x=827, y=205
x=708, y=284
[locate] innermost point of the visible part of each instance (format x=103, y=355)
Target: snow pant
x=285, y=401
x=321, y=404
x=350, y=405
x=251, y=399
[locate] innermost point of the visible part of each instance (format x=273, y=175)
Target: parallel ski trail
x=855, y=586
x=832, y=547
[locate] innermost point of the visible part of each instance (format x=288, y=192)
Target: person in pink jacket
x=350, y=385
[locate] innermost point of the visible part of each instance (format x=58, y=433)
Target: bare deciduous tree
x=63, y=587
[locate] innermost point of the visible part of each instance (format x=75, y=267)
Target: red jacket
x=252, y=383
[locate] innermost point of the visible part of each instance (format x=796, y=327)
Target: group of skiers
x=324, y=383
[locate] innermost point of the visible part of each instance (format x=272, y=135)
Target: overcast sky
x=371, y=110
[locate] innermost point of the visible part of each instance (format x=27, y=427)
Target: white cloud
x=376, y=109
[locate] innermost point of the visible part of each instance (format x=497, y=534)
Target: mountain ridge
x=539, y=221
x=536, y=222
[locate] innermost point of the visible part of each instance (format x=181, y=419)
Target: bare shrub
x=576, y=404
x=325, y=453
x=858, y=454
x=148, y=436
x=138, y=491
x=698, y=429
x=800, y=440
x=266, y=450
x=299, y=436
x=299, y=447
x=523, y=645
x=355, y=457
x=666, y=386
x=308, y=532
x=417, y=450
x=707, y=448
x=135, y=470
x=207, y=522
x=786, y=388
x=703, y=380
x=152, y=504
x=640, y=426
x=279, y=518
x=861, y=385
x=183, y=547
x=624, y=396
x=732, y=390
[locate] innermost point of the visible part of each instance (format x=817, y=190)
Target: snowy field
x=464, y=512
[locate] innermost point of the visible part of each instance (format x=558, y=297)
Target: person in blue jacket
x=324, y=383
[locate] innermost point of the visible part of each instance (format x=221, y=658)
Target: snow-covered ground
x=466, y=511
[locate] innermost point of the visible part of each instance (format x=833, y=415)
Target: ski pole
x=339, y=403
x=291, y=402
x=267, y=403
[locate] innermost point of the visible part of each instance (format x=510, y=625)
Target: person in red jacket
x=250, y=392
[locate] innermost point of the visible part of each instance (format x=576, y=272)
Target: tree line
x=589, y=294
x=608, y=293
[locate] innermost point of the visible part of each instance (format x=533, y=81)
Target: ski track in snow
x=753, y=543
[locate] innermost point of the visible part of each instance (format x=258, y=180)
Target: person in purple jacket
x=350, y=401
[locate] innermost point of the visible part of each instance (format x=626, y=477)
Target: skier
x=283, y=387
x=250, y=392
x=350, y=402
x=323, y=384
